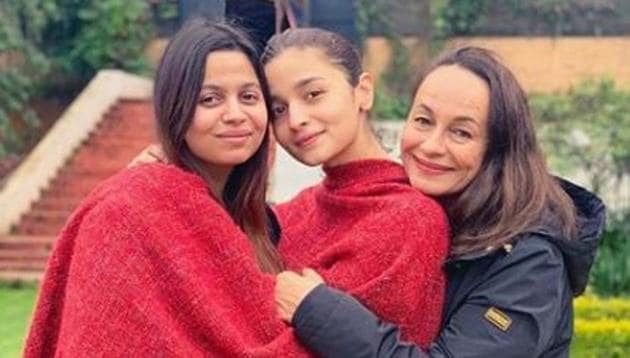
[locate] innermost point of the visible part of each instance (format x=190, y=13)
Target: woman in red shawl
x=164, y=260
x=175, y=260
x=364, y=228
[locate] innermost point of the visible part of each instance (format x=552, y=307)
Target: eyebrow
x=305, y=81
x=428, y=109
x=215, y=87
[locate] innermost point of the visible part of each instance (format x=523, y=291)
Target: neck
x=364, y=146
x=216, y=178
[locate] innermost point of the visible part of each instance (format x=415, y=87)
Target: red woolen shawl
x=369, y=233
x=150, y=265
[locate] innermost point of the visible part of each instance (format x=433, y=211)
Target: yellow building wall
x=542, y=64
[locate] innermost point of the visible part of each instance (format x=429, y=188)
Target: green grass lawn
x=16, y=305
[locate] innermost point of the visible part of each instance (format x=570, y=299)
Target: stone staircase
x=124, y=131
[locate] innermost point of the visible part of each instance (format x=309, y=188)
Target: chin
x=309, y=159
x=428, y=188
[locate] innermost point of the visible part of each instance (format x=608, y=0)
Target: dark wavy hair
x=513, y=190
x=177, y=85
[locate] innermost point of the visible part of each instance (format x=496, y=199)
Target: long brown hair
x=513, y=191
x=177, y=85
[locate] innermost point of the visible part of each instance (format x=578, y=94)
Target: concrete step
x=10, y=254
x=56, y=203
x=13, y=276
x=38, y=228
x=27, y=242
x=23, y=265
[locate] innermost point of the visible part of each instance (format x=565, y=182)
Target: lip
x=305, y=140
x=235, y=133
x=236, y=136
x=429, y=167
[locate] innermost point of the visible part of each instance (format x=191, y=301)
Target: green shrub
x=589, y=307
x=95, y=34
x=611, y=273
x=388, y=106
x=601, y=338
x=602, y=327
x=22, y=65
x=587, y=128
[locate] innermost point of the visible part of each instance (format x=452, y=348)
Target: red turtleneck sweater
x=369, y=233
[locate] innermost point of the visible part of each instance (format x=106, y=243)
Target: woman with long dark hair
x=522, y=241
x=175, y=260
x=364, y=228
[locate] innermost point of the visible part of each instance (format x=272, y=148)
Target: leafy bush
x=611, y=273
x=602, y=327
x=388, y=107
x=95, y=34
x=21, y=66
x=588, y=129
x=601, y=338
x=458, y=17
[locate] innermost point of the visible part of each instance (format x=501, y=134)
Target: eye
x=278, y=109
x=250, y=97
x=313, y=94
x=422, y=121
x=210, y=100
x=461, y=135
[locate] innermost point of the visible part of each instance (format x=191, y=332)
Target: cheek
x=260, y=116
x=470, y=157
x=410, y=139
x=281, y=132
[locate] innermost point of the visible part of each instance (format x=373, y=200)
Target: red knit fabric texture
x=369, y=233
x=151, y=266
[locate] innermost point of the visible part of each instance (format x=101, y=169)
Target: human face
x=445, y=136
x=230, y=119
x=316, y=110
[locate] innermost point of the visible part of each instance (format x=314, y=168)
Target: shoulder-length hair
x=513, y=191
x=178, y=83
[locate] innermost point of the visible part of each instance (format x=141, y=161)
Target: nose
x=234, y=112
x=298, y=117
x=433, y=143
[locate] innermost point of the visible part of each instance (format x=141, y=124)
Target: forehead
x=229, y=65
x=455, y=88
x=296, y=63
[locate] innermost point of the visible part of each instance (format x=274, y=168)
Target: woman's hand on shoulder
x=151, y=154
x=292, y=288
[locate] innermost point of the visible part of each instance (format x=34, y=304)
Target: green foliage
x=458, y=17
x=611, y=273
x=22, y=64
x=394, y=84
x=97, y=34
x=518, y=17
x=587, y=128
x=602, y=327
x=388, y=107
x=601, y=338
x=591, y=308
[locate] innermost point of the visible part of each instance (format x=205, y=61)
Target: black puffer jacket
x=511, y=302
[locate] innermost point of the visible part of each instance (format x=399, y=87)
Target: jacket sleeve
x=529, y=286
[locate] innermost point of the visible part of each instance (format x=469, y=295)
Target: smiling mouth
x=429, y=167
x=307, y=140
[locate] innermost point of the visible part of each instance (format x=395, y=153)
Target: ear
x=364, y=92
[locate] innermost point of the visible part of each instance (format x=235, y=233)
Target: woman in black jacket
x=522, y=243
